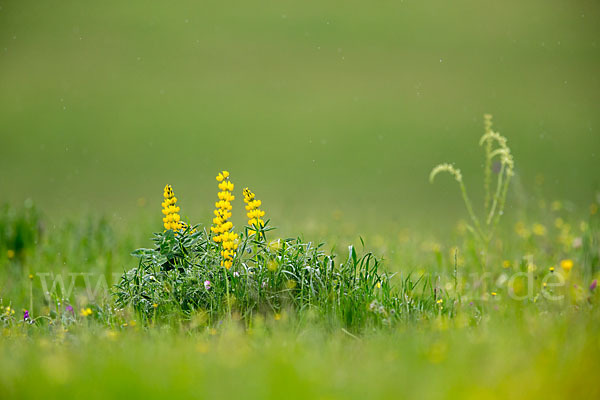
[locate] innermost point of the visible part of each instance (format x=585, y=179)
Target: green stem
x=497, y=194
x=487, y=183
x=463, y=190
x=502, y=203
x=227, y=293
x=31, y=298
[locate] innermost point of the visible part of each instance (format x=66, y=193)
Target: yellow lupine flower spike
x=222, y=226
x=172, y=219
x=254, y=213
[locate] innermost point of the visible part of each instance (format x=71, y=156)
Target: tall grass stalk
x=495, y=146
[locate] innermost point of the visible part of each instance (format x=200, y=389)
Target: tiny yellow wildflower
x=10, y=253
x=566, y=265
x=30, y=277
x=378, y=285
x=556, y=205
x=440, y=301
x=551, y=269
x=506, y=264
x=85, y=312
x=539, y=230
x=522, y=230
x=494, y=294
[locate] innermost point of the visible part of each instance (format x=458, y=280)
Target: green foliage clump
x=182, y=275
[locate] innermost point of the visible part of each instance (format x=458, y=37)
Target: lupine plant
x=216, y=272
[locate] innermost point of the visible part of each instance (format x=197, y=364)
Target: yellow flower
x=539, y=230
x=254, y=213
x=222, y=175
x=85, y=312
x=556, y=205
x=10, y=253
x=566, y=265
x=521, y=230
x=440, y=301
x=506, y=264
x=221, y=225
x=171, y=220
x=494, y=293
x=551, y=269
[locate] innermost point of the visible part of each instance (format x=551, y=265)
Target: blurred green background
x=321, y=107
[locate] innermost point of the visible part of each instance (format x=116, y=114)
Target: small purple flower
x=70, y=309
x=207, y=285
x=264, y=284
x=26, y=316
x=593, y=285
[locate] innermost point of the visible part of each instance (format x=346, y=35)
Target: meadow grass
x=417, y=318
